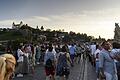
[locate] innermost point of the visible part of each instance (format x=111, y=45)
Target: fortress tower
x=17, y=26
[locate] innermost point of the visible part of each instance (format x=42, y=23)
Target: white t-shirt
x=93, y=49
x=95, y=54
x=114, y=52
x=20, y=55
x=53, y=51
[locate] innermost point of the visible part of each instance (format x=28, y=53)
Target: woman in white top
x=19, y=69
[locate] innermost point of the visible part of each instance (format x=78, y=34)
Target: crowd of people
x=58, y=59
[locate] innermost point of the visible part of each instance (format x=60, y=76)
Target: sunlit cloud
x=94, y=23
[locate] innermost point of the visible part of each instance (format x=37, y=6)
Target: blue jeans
x=110, y=76
x=97, y=68
x=72, y=58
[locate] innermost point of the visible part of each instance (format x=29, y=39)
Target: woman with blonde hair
x=7, y=66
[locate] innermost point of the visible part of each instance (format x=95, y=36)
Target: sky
x=93, y=17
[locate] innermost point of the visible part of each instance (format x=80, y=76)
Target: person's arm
x=117, y=57
x=101, y=65
x=35, y=50
x=45, y=57
x=68, y=57
x=102, y=75
x=55, y=60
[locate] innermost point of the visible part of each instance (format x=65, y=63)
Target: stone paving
x=89, y=73
x=81, y=71
x=39, y=74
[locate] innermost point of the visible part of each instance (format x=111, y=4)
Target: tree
x=42, y=28
x=63, y=30
x=37, y=27
x=49, y=30
x=99, y=37
x=4, y=29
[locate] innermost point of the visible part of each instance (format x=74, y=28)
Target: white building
x=17, y=26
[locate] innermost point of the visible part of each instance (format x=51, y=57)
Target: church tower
x=13, y=26
x=21, y=24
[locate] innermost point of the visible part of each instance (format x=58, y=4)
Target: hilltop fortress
x=17, y=26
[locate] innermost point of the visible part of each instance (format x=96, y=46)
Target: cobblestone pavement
x=78, y=72
x=89, y=73
x=39, y=74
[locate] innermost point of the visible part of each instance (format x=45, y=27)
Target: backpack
x=16, y=55
x=62, y=66
x=48, y=64
x=78, y=50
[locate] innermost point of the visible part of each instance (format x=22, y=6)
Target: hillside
x=10, y=35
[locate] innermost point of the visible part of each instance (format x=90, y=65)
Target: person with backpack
x=78, y=53
x=50, y=63
x=63, y=66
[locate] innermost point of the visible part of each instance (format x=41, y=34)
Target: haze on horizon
x=93, y=17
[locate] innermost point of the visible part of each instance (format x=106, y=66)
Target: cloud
x=7, y=23
x=41, y=18
x=95, y=23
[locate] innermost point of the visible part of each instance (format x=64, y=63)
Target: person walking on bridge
x=106, y=63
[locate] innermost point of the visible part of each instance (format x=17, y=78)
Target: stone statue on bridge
x=117, y=33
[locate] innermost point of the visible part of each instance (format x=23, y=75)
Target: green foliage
x=9, y=35
x=2, y=48
x=28, y=34
x=15, y=44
